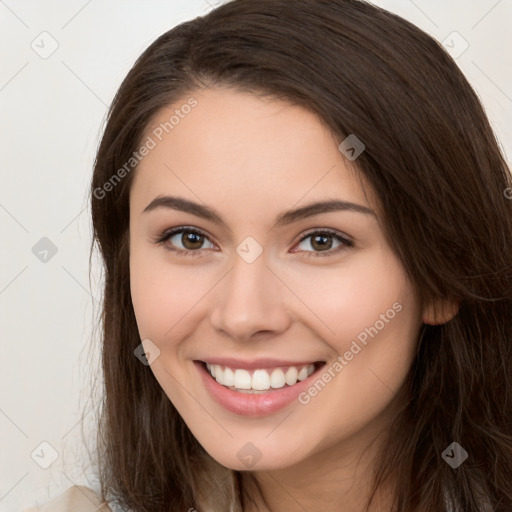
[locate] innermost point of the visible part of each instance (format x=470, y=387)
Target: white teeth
x=261, y=379
x=291, y=376
x=277, y=379
x=303, y=373
x=242, y=379
x=229, y=377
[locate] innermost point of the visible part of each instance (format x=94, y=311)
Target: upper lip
x=254, y=364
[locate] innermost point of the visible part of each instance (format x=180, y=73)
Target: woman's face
x=271, y=287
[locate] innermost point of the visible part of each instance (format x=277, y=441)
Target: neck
x=336, y=479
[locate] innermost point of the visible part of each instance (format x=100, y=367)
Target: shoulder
x=75, y=499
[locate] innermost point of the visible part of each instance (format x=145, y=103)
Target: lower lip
x=259, y=404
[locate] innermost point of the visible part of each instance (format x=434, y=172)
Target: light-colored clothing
x=75, y=499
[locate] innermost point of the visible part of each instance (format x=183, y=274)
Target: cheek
x=161, y=294
x=375, y=319
x=353, y=297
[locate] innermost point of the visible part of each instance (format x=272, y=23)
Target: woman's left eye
x=191, y=241
x=323, y=240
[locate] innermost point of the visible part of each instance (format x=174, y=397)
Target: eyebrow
x=285, y=218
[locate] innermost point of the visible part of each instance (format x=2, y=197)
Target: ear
x=440, y=311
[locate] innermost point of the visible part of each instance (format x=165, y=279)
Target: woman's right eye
x=190, y=239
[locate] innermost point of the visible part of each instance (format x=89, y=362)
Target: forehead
x=238, y=147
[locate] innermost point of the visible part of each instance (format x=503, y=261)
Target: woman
x=304, y=219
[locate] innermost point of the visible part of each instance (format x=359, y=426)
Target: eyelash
x=166, y=235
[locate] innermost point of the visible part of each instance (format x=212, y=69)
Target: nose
x=250, y=301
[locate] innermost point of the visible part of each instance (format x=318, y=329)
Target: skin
x=251, y=159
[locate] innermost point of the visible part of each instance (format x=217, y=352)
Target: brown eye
x=191, y=241
x=184, y=241
x=322, y=241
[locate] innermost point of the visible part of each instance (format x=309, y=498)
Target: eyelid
x=333, y=232
x=178, y=229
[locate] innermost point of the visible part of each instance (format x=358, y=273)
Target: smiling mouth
x=260, y=380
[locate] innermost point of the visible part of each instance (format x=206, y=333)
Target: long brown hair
x=436, y=167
